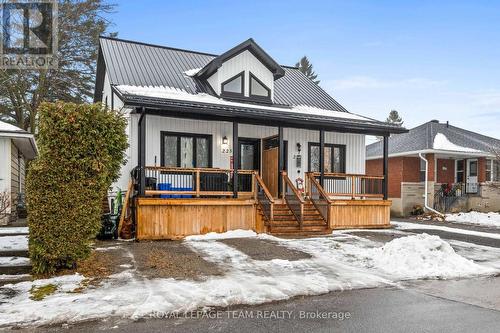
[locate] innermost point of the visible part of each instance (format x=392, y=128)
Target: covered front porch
x=282, y=180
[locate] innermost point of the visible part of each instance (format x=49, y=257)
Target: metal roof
x=421, y=138
x=139, y=64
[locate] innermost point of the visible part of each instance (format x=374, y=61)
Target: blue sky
x=426, y=59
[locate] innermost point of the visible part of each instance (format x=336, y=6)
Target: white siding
x=5, y=166
x=106, y=93
x=355, y=143
x=245, y=61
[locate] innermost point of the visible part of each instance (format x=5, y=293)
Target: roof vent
x=435, y=121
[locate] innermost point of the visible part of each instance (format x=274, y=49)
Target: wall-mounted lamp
x=299, y=147
x=224, y=140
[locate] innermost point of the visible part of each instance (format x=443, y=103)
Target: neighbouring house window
x=495, y=171
x=186, y=150
x=234, y=86
x=422, y=170
x=334, y=158
x=460, y=171
x=258, y=89
x=489, y=168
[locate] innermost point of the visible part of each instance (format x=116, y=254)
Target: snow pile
x=441, y=142
x=192, y=72
x=486, y=219
x=424, y=256
x=238, y=233
x=183, y=95
x=420, y=226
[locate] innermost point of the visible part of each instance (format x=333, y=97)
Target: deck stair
x=285, y=223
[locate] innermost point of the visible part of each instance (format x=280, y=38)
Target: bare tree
x=4, y=206
x=80, y=22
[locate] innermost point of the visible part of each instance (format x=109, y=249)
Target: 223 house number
x=227, y=150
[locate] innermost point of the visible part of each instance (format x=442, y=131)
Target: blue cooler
x=165, y=187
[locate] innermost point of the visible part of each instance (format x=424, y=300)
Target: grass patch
x=40, y=292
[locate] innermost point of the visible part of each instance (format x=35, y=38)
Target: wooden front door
x=270, y=172
x=270, y=169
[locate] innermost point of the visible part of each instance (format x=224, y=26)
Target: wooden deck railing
x=351, y=185
x=293, y=198
x=319, y=197
x=264, y=198
x=171, y=182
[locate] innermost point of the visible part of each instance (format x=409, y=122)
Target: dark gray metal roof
x=249, y=45
x=422, y=138
x=139, y=64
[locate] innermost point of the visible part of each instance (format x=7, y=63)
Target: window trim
x=343, y=150
x=490, y=161
x=187, y=135
x=233, y=94
x=462, y=171
x=258, y=97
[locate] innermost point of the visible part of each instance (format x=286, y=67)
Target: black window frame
x=461, y=171
x=233, y=94
x=343, y=153
x=209, y=137
x=258, y=97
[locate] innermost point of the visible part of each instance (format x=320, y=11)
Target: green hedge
x=82, y=148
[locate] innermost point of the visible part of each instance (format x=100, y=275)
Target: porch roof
x=167, y=102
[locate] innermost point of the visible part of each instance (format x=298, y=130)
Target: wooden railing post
x=197, y=183
x=353, y=187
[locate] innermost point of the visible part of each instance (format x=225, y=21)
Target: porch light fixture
x=299, y=147
x=224, y=141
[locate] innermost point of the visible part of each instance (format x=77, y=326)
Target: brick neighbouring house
x=464, y=161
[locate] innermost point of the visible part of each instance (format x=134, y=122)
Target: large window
x=460, y=171
x=186, y=150
x=234, y=86
x=258, y=89
x=334, y=158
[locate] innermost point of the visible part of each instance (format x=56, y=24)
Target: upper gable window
x=258, y=89
x=234, y=85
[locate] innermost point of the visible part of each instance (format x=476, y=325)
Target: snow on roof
x=192, y=72
x=179, y=94
x=441, y=142
x=6, y=127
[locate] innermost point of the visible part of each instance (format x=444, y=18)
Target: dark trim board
x=185, y=134
x=265, y=99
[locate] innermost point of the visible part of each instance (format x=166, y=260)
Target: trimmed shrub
x=82, y=147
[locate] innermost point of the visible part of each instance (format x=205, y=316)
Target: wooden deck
x=199, y=206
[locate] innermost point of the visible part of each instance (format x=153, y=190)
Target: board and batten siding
x=247, y=62
x=355, y=143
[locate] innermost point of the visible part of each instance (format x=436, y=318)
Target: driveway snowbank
x=486, y=219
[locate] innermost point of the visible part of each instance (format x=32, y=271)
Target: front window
x=258, y=89
x=234, y=86
x=186, y=150
x=460, y=171
x=496, y=171
x=334, y=156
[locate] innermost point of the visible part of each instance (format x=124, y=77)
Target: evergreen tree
x=80, y=22
x=394, y=118
x=307, y=68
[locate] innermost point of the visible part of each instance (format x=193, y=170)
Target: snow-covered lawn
x=485, y=219
x=338, y=262
x=13, y=243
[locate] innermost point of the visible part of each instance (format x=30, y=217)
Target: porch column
x=236, y=159
x=142, y=152
x=385, y=184
x=281, y=160
x=322, y=157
